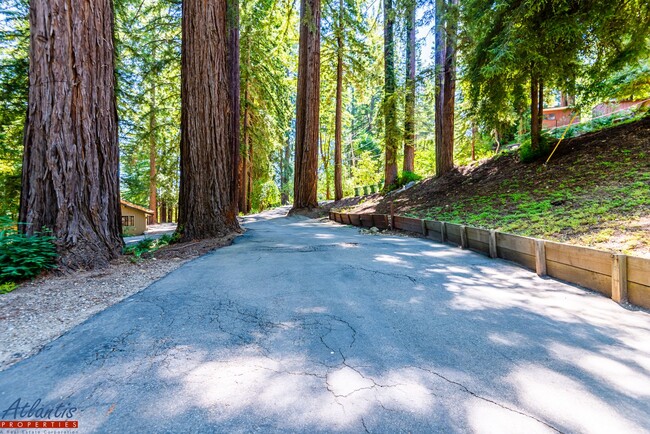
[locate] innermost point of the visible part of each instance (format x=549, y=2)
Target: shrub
x=21, y=256
x=527, y=154
x=407, y=177
x=7, y=287
x=147, y=246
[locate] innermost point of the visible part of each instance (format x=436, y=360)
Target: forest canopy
x=509, y=54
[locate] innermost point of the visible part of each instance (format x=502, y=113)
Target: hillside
x=595, y=192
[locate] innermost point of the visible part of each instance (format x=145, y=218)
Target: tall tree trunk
x=325, y=157
x=390, y=121
x=286, y=173
x=474, y=132
x=445, y=57
x=338, y=121
x=70, y=181
x=440, y=51
x=249, y=174
x=540, y=108
x=305, y=189
x=244, y=152
x=409, y=101
x=163, y=212
x=234, y=75
x=206, y=207
x=449, y=93
x=152, y=156
x=534, y=112
x=564, y=99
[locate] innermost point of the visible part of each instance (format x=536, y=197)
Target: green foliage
x=527, y=154
x=14, y=84
x=145, y=247
x=619, y=118
x=148, y=49
x=367, y=171
x=570, y=46
x=7, y=287
x=405, y=177
x=265, y=196
x=21, y=256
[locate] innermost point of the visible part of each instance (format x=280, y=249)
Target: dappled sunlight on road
x=567, y=403
x=629, y=380
x=301, y=326
x=290, y=390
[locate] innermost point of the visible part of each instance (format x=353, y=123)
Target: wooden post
x=387, y=221
x=464, y=242
x=540, y=258
x=424, y=227
x=392, y=215
x=443, y=232
x=619, y=278
x=493, y=244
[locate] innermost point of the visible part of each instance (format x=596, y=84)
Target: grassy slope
x=595, y=191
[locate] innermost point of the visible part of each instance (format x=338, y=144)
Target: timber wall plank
x=453, y=233
x=379, y=221
x=638, y=295
x=408, y=224
x=638, y=281
x=433, y=230
x=638, y=270
x=478, y=239
x=516, y=249
x=580, y=257
x=588, y=279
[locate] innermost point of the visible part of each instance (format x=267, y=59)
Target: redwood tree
x=445, y=81
x=409, y=100
x=307, y=109
x=338, y=121
x=70, y=181
x=390, y=109
x=207, y=202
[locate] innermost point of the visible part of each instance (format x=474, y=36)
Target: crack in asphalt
x=475, y=395
x=363, y=422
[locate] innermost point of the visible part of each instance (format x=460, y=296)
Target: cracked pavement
x=308, y=326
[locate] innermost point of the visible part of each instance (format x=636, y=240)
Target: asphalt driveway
x=307, y=326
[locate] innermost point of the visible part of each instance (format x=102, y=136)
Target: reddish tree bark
x=305, y=189
x=445, y=37
x=234, y=75
x=208, y=159
x=390, y=106
x=153, y=204
x=449, y=96
x=409, y=102
x=244, y=161
x=70, y=181
x=442, y=164
x=338, y=120
x=534, y=112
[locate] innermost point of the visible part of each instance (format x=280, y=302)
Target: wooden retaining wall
x=620, y=277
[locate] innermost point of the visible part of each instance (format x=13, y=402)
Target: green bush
x=404, y=178
x=21, y=256
x=527, y=154
x=407, y=177
x=149, y=245
x=7, y=287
